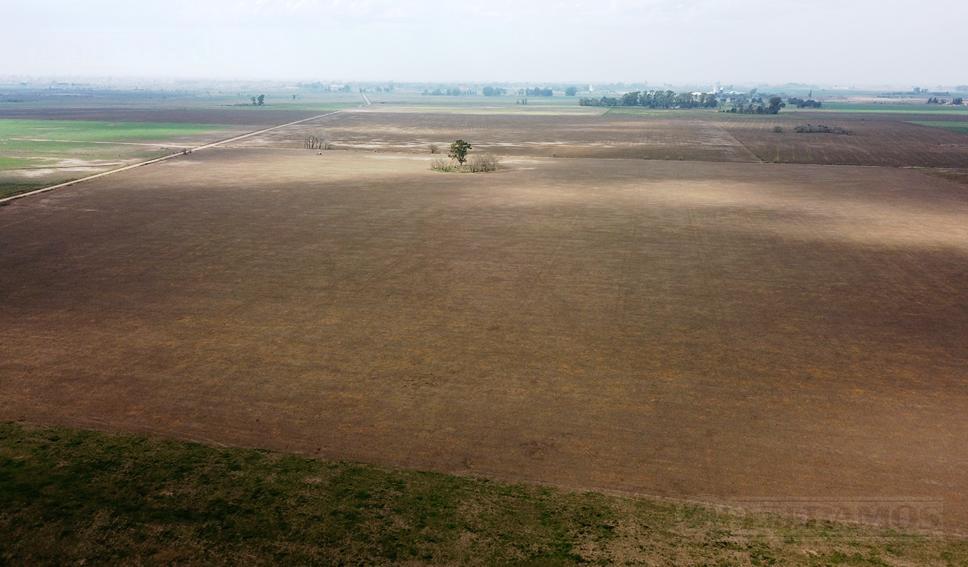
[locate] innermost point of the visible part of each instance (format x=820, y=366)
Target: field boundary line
x=185, y=151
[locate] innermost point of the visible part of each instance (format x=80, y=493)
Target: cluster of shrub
x=819, y=129
x=494, y=91
x=804, y=103
x=536, y=91
x=655, y=99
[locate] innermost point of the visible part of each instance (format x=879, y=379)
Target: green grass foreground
x=69, y=496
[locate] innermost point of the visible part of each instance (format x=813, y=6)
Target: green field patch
x=41, y=144
x=946, y=124
x=73, y=497
x=40, y=153
x=35, y=149
x=884, y=108
x=7, y=162
x=95, y=131
x=27, y=155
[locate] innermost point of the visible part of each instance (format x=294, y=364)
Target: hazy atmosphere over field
x=855, y=43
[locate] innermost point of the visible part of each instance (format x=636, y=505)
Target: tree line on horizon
x=500, y=91
x=739, y=104
x=656, y=99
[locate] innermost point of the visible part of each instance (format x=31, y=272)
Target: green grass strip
x=69, y=496
x=946, y=124
x=95, y=131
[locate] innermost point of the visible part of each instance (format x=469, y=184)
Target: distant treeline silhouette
x=656, y=99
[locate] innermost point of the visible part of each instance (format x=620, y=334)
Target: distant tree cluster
x=957, y=101
x=494, y=91
x=804, y=103
x=755, y=105
x=537, y=91
x=259, y=100
x=453, y=91
x=571, y=91
x=656, y=99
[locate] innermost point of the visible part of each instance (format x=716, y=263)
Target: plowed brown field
x=690, y=329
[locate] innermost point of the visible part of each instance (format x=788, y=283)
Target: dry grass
x=444, y=165
x=479, y=163
x=483, y=163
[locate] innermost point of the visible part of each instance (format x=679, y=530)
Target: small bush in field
x=483, y=163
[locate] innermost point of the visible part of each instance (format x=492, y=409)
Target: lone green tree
x=262, y=99
x=458, y=151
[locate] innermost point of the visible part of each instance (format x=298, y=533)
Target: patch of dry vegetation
x=820, y=129
x=480, y=163
x=483, y=163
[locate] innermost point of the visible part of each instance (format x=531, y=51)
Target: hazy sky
x=833, y=42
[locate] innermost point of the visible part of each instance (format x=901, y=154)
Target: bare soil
x=872, y=140
x=717, y=331
x=542, y=135
x=701, y=136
